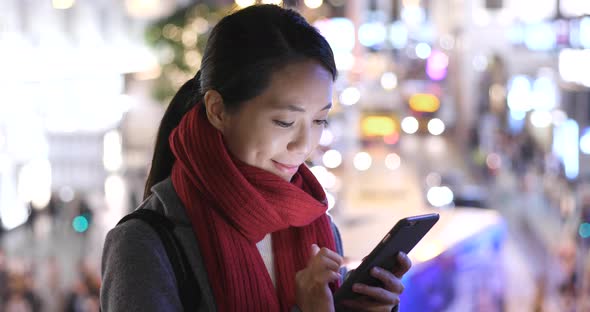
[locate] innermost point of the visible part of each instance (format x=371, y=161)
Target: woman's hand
x=386, y=298
x=312, y=290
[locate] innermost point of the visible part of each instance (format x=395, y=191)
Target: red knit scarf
x=232, y=206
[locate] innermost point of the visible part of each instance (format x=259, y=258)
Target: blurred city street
x=375, y=200
x=476, y=110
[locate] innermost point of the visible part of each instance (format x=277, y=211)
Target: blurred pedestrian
x=228, y=170
x=21, y=294
x=77, y=299
x=84, y=209
x=53, y=208
x=17, y=302
x=53, y=299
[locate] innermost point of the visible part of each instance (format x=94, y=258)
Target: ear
x=215, y=109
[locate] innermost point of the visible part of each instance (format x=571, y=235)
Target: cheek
x=271, y=143
x=256, y=146
x=316, y=136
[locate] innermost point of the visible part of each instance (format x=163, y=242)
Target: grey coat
x=136, y=272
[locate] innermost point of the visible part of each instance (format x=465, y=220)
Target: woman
x=228, y=170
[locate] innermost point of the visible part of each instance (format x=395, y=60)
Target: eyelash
x=323, y=122
x=282, y=124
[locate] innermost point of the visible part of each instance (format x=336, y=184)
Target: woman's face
x=277, y=130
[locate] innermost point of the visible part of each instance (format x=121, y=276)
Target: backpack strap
x=188, y=288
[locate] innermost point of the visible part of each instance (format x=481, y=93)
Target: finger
x=377, y=293
x=314, y=249
x=327, y=263
x=332, y=255
x=326, y=277
x=324, y=258
x=390, y=281
x=403, y=266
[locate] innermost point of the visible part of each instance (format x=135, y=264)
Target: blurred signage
x=378, y=126
x=425, y=103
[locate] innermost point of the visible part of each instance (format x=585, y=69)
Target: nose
x=301, y=141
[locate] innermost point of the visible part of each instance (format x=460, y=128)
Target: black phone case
x=403, y=236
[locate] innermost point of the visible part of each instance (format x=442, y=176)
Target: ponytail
x=186, y=98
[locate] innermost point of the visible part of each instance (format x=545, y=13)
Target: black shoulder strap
x=188, y=289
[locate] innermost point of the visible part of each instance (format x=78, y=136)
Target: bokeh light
x=494, y=161
x=350, y=96
x=327, y=137
x=313, y=4
x=440, y=196
x=393, y=161
x=326, y=178
x=362, y=161
x=423, y=50
x=541, y=119
x=80, y=224
x=436, y=126
x=388, y=81
x=245, y=3
x=410, y=125
x=332, y=159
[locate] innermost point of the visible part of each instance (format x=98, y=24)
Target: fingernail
x=357, y=287
x=401, y=254
x=376, y=270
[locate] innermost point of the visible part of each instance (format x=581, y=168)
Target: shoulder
x=136, y=271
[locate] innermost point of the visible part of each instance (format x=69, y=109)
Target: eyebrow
x=295, y=108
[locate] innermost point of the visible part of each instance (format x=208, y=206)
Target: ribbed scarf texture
x=232, y=206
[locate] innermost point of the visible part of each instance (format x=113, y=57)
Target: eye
x=322, y=122
x=283, y=124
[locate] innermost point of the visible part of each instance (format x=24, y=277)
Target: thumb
x=314, y=249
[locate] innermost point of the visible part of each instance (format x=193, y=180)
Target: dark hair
x=243, y=50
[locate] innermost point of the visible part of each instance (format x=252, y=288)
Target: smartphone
x=403, y=236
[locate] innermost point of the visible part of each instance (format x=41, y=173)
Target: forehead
x=302, y=84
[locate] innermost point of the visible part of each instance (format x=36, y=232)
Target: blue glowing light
x=80, y=224
x=584, y=230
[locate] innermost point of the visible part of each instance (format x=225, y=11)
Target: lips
x=286, y=168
